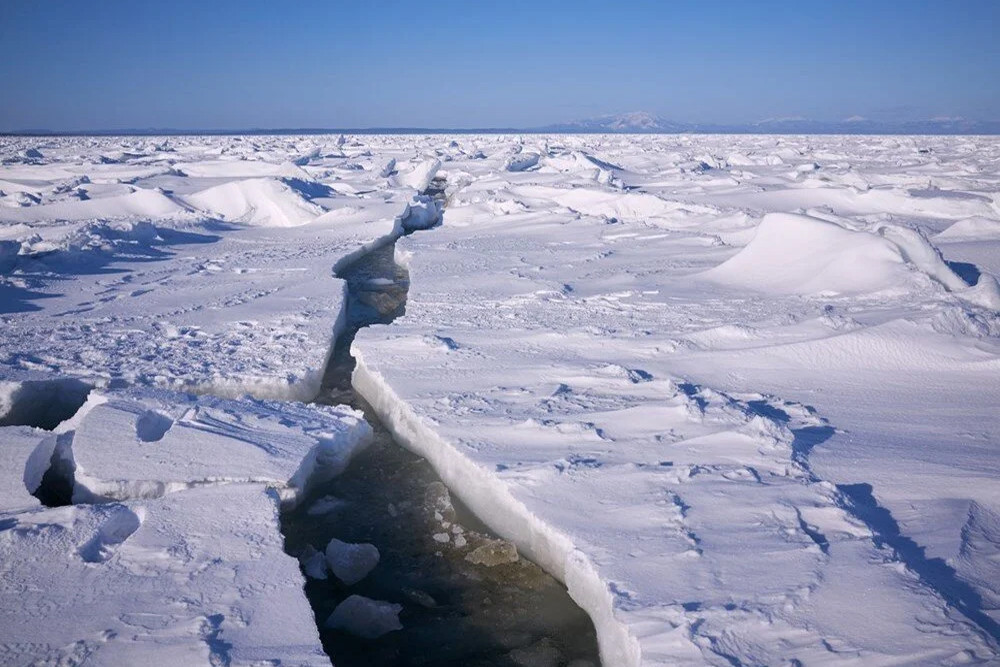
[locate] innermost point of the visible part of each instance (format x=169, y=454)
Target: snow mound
x=800, y=254
x=264, y=202
x=971, y=228
x=588, y=166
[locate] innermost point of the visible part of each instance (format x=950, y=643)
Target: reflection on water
x=464, y=596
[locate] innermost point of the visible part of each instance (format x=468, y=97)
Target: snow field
x=633, y=377
x=738, y=393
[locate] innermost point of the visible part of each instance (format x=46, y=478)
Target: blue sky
x=302, y=63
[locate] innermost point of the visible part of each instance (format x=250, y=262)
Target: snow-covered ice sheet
x=130, y=269
x=738, y=392
x=173, y=554
x=202, y=264
x=157, y=442
x=727, y=388
x=172, y=581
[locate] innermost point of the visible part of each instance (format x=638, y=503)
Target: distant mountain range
x=647, y=123
x=640, y=122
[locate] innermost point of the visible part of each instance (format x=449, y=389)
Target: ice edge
x=491, y=501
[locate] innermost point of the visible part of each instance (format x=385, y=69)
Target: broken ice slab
x=24, y=456
x=146, y=443
x=198, y=577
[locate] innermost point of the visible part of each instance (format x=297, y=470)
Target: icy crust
x=145, y=444
x=192, y=578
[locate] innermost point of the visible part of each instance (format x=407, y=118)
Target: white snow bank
x=626, y=206
x=193, y=578
x=264, y=202
x=800, y=254
x=240, y=168
x=974, y=228
x=147, y=443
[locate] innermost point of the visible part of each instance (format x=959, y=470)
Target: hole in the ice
x=968, y=272
x=56, y=486
x=43, y=403
x=437, y=588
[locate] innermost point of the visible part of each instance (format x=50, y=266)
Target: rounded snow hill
x=264, y=202
x=971, y=228
x=799, y=254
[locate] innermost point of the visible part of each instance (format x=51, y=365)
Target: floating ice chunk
x=985, y=293
x=494, y=552
x=145, y=443
x=325, y=505
x=148, y=582
x=24, y=457
x=351, y=562
x=365, y=617
x=313, y=562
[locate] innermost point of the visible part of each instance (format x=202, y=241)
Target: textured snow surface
x=747, y=413
x=157, y=442
x=738, y=392
x=173, y=554
x=173, y=581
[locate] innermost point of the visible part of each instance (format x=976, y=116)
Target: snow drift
x=264, y=202
x=800, y=254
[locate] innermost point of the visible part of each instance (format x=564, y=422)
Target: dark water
x=465, y=600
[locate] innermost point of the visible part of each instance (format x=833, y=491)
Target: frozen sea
x=740, y=394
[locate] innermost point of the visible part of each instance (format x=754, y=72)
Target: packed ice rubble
x=738, y=393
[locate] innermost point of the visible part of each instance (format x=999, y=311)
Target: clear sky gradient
x=215, y=64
